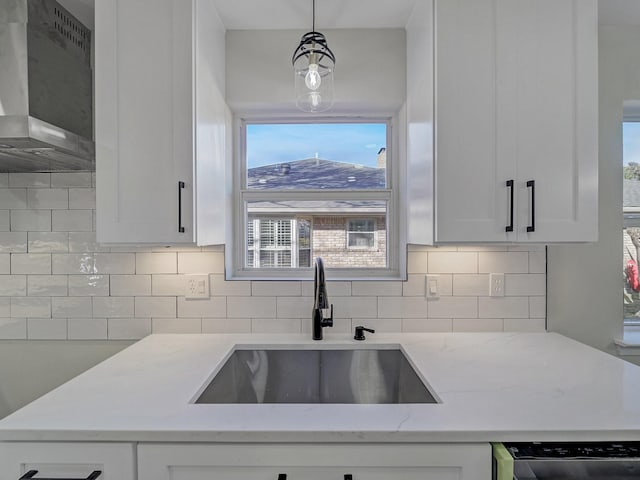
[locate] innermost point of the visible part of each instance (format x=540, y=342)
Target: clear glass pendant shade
x=313, y=67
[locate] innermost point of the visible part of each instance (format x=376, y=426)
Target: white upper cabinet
x=513, y=120
x=161, y=122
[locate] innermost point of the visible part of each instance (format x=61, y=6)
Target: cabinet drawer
x=67, y=460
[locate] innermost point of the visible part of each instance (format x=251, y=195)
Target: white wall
x=585, y=281
x=369, y=75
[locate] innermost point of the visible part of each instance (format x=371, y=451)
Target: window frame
x=235, y=256
x=631, y=114
x=374, y=233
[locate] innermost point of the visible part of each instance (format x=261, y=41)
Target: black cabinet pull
x=509, y=228
x=348, y=476
x=532, y=185
x=31, y=475
x=180, y=187
x=282, y=476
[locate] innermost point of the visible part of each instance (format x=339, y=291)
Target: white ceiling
x=296, y=14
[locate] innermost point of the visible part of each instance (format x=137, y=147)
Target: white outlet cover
x=196, y=286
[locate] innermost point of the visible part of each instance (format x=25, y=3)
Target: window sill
x=629, y=344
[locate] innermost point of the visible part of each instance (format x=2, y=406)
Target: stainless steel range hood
x=46, y=116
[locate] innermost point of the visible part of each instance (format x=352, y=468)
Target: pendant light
x=313, y=66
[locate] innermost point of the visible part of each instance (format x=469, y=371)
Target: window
x=315, y=189
x=361, y=233
x=631, y=216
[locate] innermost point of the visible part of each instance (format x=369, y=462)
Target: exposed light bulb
x=316, y=99
x=312, y=78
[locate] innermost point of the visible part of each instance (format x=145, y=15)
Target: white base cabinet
x=114, y=461
x=314, y=462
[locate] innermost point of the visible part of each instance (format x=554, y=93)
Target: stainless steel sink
x=362, y=376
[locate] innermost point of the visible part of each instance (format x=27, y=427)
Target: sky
x=631, y=142
x=341, y=142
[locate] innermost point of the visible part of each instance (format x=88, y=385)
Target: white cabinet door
x=515, y=120
x=314, y=462
x=67, y=460
x=161, y=122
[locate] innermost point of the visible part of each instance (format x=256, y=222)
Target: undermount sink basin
x=361, y=376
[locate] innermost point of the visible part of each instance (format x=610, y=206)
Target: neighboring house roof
x=630, y=195
x=315, y=173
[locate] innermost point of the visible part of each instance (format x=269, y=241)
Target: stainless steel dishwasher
x=567, y=461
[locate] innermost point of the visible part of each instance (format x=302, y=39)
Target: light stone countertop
x=493, y=387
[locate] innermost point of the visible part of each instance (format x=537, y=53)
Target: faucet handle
x=360, y=332
x=328, y=321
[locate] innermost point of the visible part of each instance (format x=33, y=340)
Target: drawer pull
x=31, y=475
x=282, y=476
x=509, y=228
x=532, y=185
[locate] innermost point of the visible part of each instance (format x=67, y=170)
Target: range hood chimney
x=46, y=115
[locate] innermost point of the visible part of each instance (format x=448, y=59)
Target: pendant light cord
x=313, y=17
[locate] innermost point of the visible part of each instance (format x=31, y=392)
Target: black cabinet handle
x=282, y=476
x=348, y=476
x=31, y=475
x=532, y=185
x=180, y=187
x=509, y=228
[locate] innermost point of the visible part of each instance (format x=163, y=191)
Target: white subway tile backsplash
x=503, y=307
x=452, y=307
x=47, y=198
x=427, y=325
x=128, y=328
x=402, y=307
x=5, y=220
x=213, y=307
x=82, y=198
x=30, y=220
x=47, y=286
x=355, y=307
x=13, y=242
x=71, y=307
x=538, y=261
x=85, y=242
x=13, y=198
x=113, y=307
x=518, y=284
x=47, y=328
x=294, y=307
x=503, y=262
x=537, y=307
x=13, y=328
x=30, y=263
x=150, y=263
x=115, y=263
x=40, y=180
x=34, y=307
x=176, y=325
x=155, y=307
x=130, y=285
x=72, y=220
x=452, y=262
x=380, y=289
x=5, y=263
x=70, y=179
x=89, y=285
x=73, y=263
x=87, y=329
x=524, y=325
x=273, y=325
x=275, y=289
x=251, y=307
x=416, y=262
x=48, y=242
x=56, y=281
x=226, y=325
x=477, y=324
x=471, y=285
x=219, y=287
x=13, y=285
x=200, y=262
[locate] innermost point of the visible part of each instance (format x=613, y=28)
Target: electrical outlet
x=432, y=286
x=196, y=286
x=496, y=285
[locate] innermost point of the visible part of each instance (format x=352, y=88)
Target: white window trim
x=396, y=247
x=374, y=232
